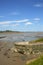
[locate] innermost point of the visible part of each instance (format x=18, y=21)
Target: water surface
x=19, y=37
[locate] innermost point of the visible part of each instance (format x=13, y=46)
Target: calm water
x=19, y=37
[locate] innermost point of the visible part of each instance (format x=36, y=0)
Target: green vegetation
x=38, y=40
x=6, y=31
x=9, y=31
x=39, y=61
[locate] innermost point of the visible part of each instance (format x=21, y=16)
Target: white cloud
x=36, y=19
x=2, y=23
x=28, y=23
x=13, y=21
x=10, y=24
x=19, y=21
x=25, y=20
x=38, y=5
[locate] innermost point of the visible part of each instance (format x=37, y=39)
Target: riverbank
x=36, y=41
x=38, y=61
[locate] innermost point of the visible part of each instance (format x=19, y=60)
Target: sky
x=21, y=15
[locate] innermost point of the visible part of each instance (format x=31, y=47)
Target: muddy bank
x=11, y=55
x=7, y=57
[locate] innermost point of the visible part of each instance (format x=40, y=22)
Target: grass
x=38, y=40
x=39, y=61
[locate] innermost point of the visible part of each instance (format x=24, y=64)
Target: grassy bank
x=38, y=40
x=39, y=61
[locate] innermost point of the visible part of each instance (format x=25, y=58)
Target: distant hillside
x=9, y=31
x=39, y=61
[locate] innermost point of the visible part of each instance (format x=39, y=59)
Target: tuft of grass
x=39, y=61
x=38, y=40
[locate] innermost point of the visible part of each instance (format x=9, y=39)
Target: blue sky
x=21, y=15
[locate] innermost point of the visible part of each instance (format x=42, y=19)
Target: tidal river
x=19, y=36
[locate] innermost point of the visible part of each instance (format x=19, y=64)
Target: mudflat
x=7, y=57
